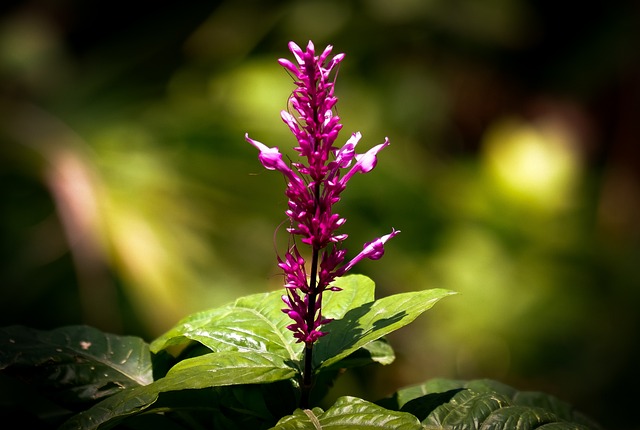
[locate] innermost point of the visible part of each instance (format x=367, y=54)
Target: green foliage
x=487, y=404
x=349, y=413
x=76, y=365
x=238, y=367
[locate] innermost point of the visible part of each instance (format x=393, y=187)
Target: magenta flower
x=314, y=185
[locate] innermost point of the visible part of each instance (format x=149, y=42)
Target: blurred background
x=130, y=199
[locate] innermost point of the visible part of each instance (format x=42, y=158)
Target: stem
x=307, y=373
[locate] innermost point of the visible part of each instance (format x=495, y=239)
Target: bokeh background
x=129, y=198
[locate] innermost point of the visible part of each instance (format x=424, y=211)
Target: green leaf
x=229, y=368
x=423, y=406
x=301, y=419
x=349, y=413
x=239, y=407
x=434, y=387
x=210, y=370
x=545, y=401
x=520, y=418
x=75, y=364
x=356, y=291
x=370, y=321
x=465, y=409
x=251, y=323
x=485, y=403
x=257, y=323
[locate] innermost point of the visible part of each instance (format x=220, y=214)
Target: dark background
x=130, y=199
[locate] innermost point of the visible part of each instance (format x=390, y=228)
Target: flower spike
x=314, y=186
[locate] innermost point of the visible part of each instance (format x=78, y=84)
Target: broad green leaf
x=229, y=368
x=520, y=418
x=545, y=401
x=370, y=321
x=563, y=410
x=301, y=419
x=257, y=323
x=485, y=404
x=434, y=386
x=251, y=323
x=465, y=409
x=210, y=370
x=423, y=406
x=75, y=364
x=349, y=413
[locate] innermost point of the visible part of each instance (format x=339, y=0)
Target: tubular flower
x=314, y=185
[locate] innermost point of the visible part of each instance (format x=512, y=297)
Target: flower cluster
x=314, y=186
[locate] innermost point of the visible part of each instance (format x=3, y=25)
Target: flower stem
x=307, y=373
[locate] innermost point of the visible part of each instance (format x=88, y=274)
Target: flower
x=271, y=159
x=373, y=250
x=314, y=186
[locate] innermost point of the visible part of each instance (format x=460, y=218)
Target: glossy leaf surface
x=251, y=323
x=349, y=413
x=257, y=323
x=486, y=404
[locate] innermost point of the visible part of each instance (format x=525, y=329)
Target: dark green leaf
x=561, y=409
x=423, y=406
x=238, y=407
x=378, y=351
x=434, y=386
x=519, y=418
x=487, y=404
x=465, y=409
x=211, y=370
x=75, y=364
